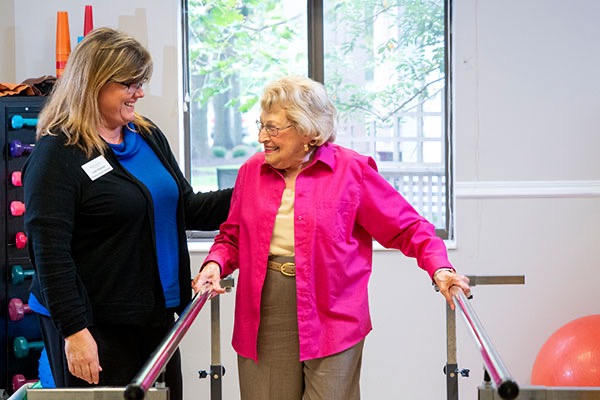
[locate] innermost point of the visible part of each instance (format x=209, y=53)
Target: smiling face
x=286, y=150
x=117, y=105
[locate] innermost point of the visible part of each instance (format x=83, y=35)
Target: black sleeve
x=207, y=211
x=51, y=191
x=203, y=211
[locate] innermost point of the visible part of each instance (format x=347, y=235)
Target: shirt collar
x=324, y=154
x=130, y=145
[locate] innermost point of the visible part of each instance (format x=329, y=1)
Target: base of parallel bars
x=216, y=382
x=215, y=374
x=103, y=393
x=451, y=381
x=544, y=393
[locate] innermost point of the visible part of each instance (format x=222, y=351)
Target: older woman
x=303, y=217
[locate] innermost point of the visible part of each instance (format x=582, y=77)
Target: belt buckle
x=283, y=269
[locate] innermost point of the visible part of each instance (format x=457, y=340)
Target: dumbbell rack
x=13, y=249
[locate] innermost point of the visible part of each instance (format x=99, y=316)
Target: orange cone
x=88, y=21
x=63, y=41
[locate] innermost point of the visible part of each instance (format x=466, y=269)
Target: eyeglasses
x=270, y=129
x=132, y=87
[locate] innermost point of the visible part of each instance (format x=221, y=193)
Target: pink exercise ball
x=570, y=356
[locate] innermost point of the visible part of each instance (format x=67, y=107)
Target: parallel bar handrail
x=138, y=387
x=507, y=388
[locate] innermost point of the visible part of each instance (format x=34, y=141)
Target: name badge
x=97, y=167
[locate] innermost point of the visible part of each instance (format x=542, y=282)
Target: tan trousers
x=279, y=375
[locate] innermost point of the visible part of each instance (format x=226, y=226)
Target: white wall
x=527, y=185
x=31, y=26
x=7, y=42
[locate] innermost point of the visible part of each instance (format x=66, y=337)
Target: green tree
x=234, y=48
x=237, y=46
x=412, y=53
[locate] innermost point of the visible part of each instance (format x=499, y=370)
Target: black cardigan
x=92, y=243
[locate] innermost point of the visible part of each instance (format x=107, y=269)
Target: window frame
x=316, y=71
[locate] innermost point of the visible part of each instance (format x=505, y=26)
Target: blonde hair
x=104, y=55
x=306, y=104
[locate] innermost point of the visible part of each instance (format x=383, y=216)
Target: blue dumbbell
x=17, y=122
x=18, y=274
x=21, y=346
x=17, y=149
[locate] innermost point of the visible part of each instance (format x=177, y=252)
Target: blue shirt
x=138, y=158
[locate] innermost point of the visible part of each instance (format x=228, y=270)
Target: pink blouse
x=341, y=203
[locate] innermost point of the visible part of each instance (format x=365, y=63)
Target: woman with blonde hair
x=107, y=213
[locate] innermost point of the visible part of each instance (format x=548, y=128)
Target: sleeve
x=225, y=249
x=51, y=190
x=204, y=211
x=394, y=223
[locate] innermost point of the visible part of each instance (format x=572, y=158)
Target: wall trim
x=526, y=189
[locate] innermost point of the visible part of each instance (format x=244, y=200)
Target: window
x=384, y=63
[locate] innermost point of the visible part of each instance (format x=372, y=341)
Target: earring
x=306, y=148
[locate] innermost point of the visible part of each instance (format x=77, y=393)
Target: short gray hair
x=307, y=105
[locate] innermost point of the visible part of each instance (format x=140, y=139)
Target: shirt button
x=300, y=218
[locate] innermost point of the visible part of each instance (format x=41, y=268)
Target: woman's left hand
x=81, y=352
x=446, y=279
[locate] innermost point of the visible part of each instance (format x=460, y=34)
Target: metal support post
x=491, y=359
x=217, y=371
x=451, y=367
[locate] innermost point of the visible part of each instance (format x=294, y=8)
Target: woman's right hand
x=208, y=278
x=82, y=356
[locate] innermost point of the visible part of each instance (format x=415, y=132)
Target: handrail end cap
x=508, y=390
x=134, y=392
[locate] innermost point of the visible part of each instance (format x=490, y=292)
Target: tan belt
x=284, y=264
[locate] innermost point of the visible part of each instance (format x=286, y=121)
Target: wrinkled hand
x=82, y=356
x=208, y=278
x=447, y=281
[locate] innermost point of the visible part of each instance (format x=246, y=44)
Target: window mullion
x=316, y=64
